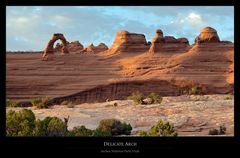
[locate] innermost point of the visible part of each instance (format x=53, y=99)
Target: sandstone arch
x=50, y=50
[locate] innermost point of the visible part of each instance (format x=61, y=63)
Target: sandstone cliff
x=129, y=42
x=168, y=44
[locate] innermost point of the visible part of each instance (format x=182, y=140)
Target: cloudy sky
x=30, y=28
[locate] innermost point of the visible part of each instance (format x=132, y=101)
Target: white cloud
x=194, y=18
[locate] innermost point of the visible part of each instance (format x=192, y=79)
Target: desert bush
x=80, y=131
x=50, y=126
x=228, y=98
x=137, y=97
x=213, y=132
x=115, y=104
x=114, y=126
x=221, y=131
x=40, y=102
x=164, y=129
x=143, y=133
x=20, y=123
x=156, y=99
x=10, y=103
x=194, y=90
x=68, y=104
x=99, y=133
x=56, y=127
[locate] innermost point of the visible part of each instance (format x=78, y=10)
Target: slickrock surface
x=192, y=115
x=87, y=77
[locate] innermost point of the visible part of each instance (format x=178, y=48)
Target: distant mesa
x=207, y=35
x=50, y=50
x=129, y=42
x=161, y=43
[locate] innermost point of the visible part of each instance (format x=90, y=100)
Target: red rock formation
x=74, y=46
x=95, y=49
x=207, y=35
x=162, y=43
x=101, y=47
x=50, y=50
x=207, y=64
x=129, y=42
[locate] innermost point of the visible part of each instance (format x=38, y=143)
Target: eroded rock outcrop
x=95, y=49
x=207, y=35
x=101, y=47
x=162, y=43
x=129, y=42
x=74, y=46
x=50, y=50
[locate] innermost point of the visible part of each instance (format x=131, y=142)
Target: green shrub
x=56, y=127
x=40, y=128
x=164, y=129
x=213, y=132
x=99, y=133
x=228, y=98
x=115, y=104
x=68, y=104
x=115, y=127
x=20, y=123
x=221, y=131
x=137, y=97
x=143, y=133
x=40, y=102
x=156, y=99
x=50, y=126
x=195, y=90
x=11, y=103
x=80, y=131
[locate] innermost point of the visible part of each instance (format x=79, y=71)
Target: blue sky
x=30, y=27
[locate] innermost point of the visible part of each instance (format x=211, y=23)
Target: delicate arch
x=50, y=50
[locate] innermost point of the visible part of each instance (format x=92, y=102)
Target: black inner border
x=95, y=145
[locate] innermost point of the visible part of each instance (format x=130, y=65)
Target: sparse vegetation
x=81, y=131
x=68, y=104
x=99, y=133
x=11, y=103
x=221, y=131
x=24, y=123
x=228, y=98
x=194, y=90
x=115, y=127
x=163, y=129
x=115, y=104
x=20, y=123
x=139, y=98
x=40, y=102
x=156, y=99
